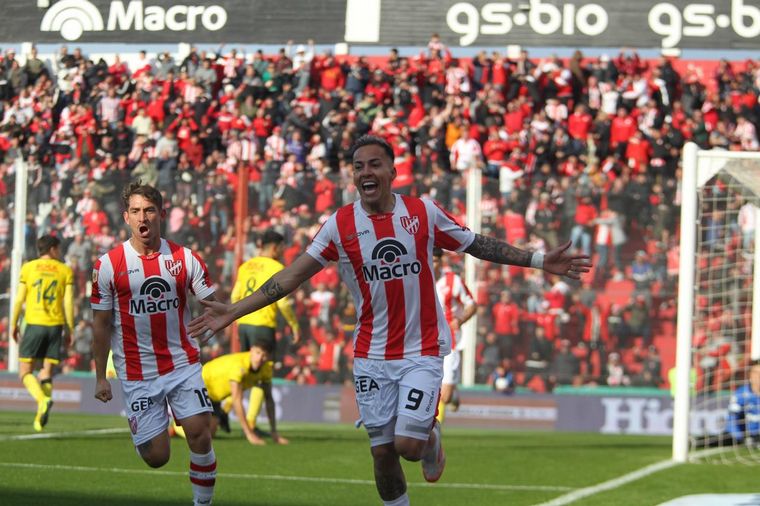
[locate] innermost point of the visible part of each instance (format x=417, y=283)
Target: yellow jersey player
x=46, y=291
x=228, y=376
x=262, y=324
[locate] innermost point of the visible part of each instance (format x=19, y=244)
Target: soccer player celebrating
x=458, y=307
x=140, y=304
x=383, y=244
x=228, y=376
x=262, y=324
x=46, y=290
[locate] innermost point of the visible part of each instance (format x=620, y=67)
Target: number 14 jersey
x=46, y=280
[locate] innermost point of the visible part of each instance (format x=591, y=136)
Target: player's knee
x=156, y=460
x=410, y=449
x=199, y=440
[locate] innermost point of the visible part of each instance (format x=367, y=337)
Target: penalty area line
x=610, y=484
x=278, y=477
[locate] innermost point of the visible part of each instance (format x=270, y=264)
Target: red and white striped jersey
x=454, y=296
x=148, y=298
x=386, y=260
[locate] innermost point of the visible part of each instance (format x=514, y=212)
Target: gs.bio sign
x=716, y=23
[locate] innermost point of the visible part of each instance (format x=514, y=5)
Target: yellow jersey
x=236, y=367
x=45, y=280
x=251, y=275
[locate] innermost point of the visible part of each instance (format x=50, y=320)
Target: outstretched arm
x=218, y=315
x=500, y=252
x=557, y=261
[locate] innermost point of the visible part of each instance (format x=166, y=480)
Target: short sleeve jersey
x=236, y=367
x=148, y=295
x=45, y=280
x=454, y=296
x=386, y=262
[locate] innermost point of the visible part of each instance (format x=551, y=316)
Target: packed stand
x=584, y=148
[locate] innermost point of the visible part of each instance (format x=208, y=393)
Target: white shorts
x=397, y=397
x=146, y=401
x=452, y=368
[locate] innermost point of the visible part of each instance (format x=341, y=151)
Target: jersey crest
x=411, y=224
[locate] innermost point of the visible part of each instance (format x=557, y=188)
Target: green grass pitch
x=330, y=465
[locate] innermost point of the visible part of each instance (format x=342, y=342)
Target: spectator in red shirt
x=585, y=214
x=622, y=129
x=506, y=322
x=579, y=127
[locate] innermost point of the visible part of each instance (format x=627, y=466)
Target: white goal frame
x=694, y=177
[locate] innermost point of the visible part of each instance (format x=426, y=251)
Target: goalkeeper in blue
x=744, y=411
x=743, y=420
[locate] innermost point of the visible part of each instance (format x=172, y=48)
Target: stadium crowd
x=586, y=148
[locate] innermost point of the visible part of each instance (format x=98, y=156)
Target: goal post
x=718, y=326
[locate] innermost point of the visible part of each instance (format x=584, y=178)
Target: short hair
x=372, y=140
x=144, y=190
x=263, y=344
x=271, y=236
x=437, y=252
x=47, y=242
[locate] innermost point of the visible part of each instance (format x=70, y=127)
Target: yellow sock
x=34, y=388
x=441, y=412
x=47, y=387
x=254, y=406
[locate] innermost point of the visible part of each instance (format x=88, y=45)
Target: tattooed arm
x=219, y=315
x=559, y=261
x=494, y=250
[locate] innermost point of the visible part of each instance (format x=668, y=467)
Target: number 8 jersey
x=46, y=280
x=148, y=297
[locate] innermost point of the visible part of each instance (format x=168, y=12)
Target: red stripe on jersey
x=330, y=253
x=394, y=297
x=447, y=309
x=178, y=254
x=428, y=305
x=95, y=297
x=158, y=330
x=123, y=292
x=206, y=277
x=346, y=223
x=445, y=241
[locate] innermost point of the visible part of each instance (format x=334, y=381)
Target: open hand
x=216, y=316
x=560, y=261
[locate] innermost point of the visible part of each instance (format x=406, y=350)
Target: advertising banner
x=713, y=24
x=623, y=414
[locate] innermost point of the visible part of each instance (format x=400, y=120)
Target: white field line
x=279, y=477
x=609, y=484
x=54, y=435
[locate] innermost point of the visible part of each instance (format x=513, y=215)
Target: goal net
x=715, y=416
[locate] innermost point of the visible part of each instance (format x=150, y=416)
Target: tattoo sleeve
x=494, y=250
x=272, y=290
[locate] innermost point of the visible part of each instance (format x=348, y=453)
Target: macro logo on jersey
x=153, y=297
x=411, y=224
x=387, y=262
x=174, y=267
